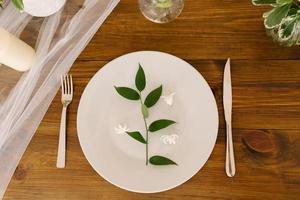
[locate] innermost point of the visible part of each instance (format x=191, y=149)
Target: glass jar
x=161, y=11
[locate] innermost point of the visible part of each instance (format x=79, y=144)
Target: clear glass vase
x=161, y=11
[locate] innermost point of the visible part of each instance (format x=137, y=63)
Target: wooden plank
x=205, y=30
x=259, y=175
x=266, y=94
x=266, y=135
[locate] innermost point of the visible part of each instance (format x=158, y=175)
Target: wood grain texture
x=206, y=30
x=266, y=107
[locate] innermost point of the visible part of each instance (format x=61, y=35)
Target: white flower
x=169, y=99
x=169, y=139
x=121, y=129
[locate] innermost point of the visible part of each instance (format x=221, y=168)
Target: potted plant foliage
x=282, y=21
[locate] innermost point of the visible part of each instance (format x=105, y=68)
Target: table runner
x=60, y=39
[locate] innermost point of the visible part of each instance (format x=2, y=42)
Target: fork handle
x=230, y=161
x=61, y=154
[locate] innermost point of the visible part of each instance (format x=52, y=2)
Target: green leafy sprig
x=283, y=20
x=150, y=100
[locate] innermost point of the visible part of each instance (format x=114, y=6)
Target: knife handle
x=230, y=161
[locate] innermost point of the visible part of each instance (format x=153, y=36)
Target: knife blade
x=227, y=104
x=227, y=92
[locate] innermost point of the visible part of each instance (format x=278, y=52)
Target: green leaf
x=18, y=4
x=281, y=2
x=263, y=2
x=164, y=3
x=128, y=93
x=160, y=124
x=137, y=136
x=287, y=27
x=153, y=97
x=145, y=111
x=274, y=18
x=266, y=14
x=292, y=12
x=160, y=160
x=140, y=79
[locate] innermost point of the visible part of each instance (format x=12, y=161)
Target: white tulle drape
x=24, y=100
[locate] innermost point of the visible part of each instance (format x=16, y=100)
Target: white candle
x=14, y=52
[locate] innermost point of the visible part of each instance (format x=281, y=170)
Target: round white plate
x=121, y=160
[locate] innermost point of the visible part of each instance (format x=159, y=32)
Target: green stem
x=147, y=133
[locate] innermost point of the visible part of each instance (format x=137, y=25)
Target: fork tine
x=71, y=84
x=67, y=85
x=68, y=81
x=62, y=84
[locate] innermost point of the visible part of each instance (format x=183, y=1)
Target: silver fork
x=66, y=99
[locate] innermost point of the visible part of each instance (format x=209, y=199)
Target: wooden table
x=266, y=106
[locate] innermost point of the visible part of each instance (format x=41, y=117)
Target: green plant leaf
x=292, y=12
x=281, y=2
x=153, y=97
x=263, y=2
x=298, y=41
x=274, y=18
x=137, y=136
x=287, y=27
x=160, y=160
x=145, y=111
x=140, y=79
x=18, y=4
x=128, y=93
x=160, y=124
x=164, y=3
x=266, y=14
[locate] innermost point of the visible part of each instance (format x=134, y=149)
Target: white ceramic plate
x=121, y=160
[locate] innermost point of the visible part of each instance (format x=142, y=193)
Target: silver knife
x=227, y=103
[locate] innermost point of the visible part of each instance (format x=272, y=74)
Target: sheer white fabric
x=25, y=98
